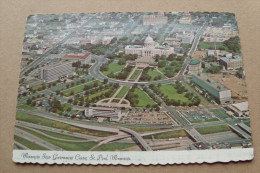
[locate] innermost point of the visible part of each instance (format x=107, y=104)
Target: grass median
x=55, y=124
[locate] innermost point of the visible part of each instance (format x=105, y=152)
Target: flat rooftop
x=218, y=86
x=243, y=106
x=55, y=65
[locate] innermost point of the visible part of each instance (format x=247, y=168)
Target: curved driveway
x=95, y=69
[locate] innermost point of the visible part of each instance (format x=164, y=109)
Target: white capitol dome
x=148, y=39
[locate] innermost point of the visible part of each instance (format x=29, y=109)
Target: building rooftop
x=77, y=56
x=235, y=58
x=55, y=65
x=243, y=106
x=218, y=86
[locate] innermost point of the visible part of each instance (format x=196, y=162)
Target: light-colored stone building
x=150, y=49
x=155, y=19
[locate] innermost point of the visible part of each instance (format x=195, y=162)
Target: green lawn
x=114, y=146
x=155, y=74
x=213, y=129
x=113, y=68
x=70, y=146
x=79, y=88
x=220, y=112
x=98, y=93
x=61, y=136
x=144, y=100
x=144, y=129
x=196, y=121
x=55, y=124
x=212, y=119
x=26, y=107
x=211, y=45
x=167, y=135
x=203, y=100
x=136, y=74
x=170, y=92
x=28, y=144
x=122, y=92
x=36, y=87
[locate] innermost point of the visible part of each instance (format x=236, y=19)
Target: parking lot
x=156, y=118
x=199, y=116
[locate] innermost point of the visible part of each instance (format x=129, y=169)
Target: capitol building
x=149, y=49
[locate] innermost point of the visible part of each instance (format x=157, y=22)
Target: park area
x=122, y=92
x=139, y=98
x=79, y=88
x=151, y=75
x=136, y=74
x=113, y=68
x=170, y=92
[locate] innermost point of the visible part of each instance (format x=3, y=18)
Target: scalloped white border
x=133, y=157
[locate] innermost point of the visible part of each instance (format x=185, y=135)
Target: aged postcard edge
x=135, y=157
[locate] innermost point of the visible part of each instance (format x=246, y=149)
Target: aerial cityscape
x=132, y=82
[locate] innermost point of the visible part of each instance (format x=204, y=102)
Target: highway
x=69, y=121
x=23, y=134
x=138, y=137
x=51, y=137
x=185, y=124
x=55, y=130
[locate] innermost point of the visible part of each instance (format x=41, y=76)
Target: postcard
x=132, y=88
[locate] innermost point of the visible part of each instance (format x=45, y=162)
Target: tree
x=105, y=81
x=161, y=64
x=29, y=101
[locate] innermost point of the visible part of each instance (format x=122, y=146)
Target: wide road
x=185, y=124
x=23, y=134
x=69, y=121
x=138, y=137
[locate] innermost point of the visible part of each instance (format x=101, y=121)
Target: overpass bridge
x=240, y=132
x=138, y=137
x=195, y=135
x=245, y=128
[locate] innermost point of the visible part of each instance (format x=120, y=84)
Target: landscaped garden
x=138, y=98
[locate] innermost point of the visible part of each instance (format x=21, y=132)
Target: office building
x=220, y=92
x=231, y=63
x=55, y=72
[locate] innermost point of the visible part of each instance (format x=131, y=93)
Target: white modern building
x=150, y=49
x=55, y=72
